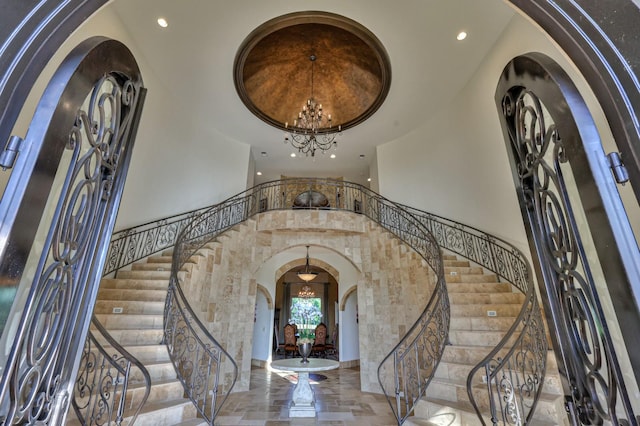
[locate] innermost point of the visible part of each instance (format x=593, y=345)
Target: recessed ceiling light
x=368, y=179
x=293, y=155
x=163, y=22
x=259, y=173
x=333, y=156
x=461, y=36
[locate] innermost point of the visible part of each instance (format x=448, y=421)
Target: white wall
x=262, y=329
x=456, y=165
x=349, y=346
x=175, y=165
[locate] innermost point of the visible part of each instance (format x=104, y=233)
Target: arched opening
x=320, y=294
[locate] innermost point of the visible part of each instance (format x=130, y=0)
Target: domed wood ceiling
x=272, y=70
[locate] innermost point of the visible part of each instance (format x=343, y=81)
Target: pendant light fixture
x=307, y=274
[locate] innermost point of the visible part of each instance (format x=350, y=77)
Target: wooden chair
x=290, y=345
x=320, y=343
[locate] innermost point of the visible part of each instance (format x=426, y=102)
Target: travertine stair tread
x=145, y=274
x=469, y=270
x=134, y=284
x=151, y=406
x=151, y=267
x=160, y=259
x=459, y=263
x=480, y=309
x=140, y=336
x=131, y=321
x=487, y=298
x=132, y=295
x=470, y=279
x=481, y=323
x=129, y=307
x=466, y=288
x=148, y=353
x=192, y=422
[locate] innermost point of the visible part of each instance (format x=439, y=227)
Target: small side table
x=303, y=404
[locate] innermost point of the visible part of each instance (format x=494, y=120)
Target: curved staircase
x=482, y=311
x=131, y=308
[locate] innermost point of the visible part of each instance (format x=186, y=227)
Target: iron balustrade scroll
x=514, y=371
x=555, y=154
x=100, y=395
x=84, y=125
x=135, y=243
x=200, y=359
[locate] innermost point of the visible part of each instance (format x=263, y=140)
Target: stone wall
x=394, y=283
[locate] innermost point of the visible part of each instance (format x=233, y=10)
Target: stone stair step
x=144, y=266
x=133, y=284
x=131, y=321
x=137, y=295
x=158, y=371
x=448, y=390
x=441, y=412
x=485, y=323
x=192, y=422
x=149, y=353
x=550, y=407
x=472, y=338
x=165, y=413
x=478, y=288
x=152, y=275
x=487, y=298
x=480, y=310
x=129, y=307
x=160, y=259
x=459, y=270
x=134, y=337
x=161, y=390
x=456, y=262
x=465, y=278
x=465, y=354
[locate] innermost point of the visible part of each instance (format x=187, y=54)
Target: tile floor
x=339, y=401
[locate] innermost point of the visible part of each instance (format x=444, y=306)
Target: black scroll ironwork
x=556, y=159
x=86, y=122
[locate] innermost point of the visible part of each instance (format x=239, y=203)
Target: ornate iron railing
x=135, y=243
x=514, y=370
x=198, y=357
x=103, y=378
x=101, y=387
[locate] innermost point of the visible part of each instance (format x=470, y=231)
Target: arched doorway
x=321, y=292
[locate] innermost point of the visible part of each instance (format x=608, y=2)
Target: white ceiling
x=193, y=57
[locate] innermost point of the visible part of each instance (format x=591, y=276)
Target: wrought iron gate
x=580, y=237
x=56, y=218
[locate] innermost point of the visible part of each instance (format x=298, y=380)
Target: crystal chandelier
x=306, y=292
x=307, y=133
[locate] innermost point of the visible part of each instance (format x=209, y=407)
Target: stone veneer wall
x=394, y=283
